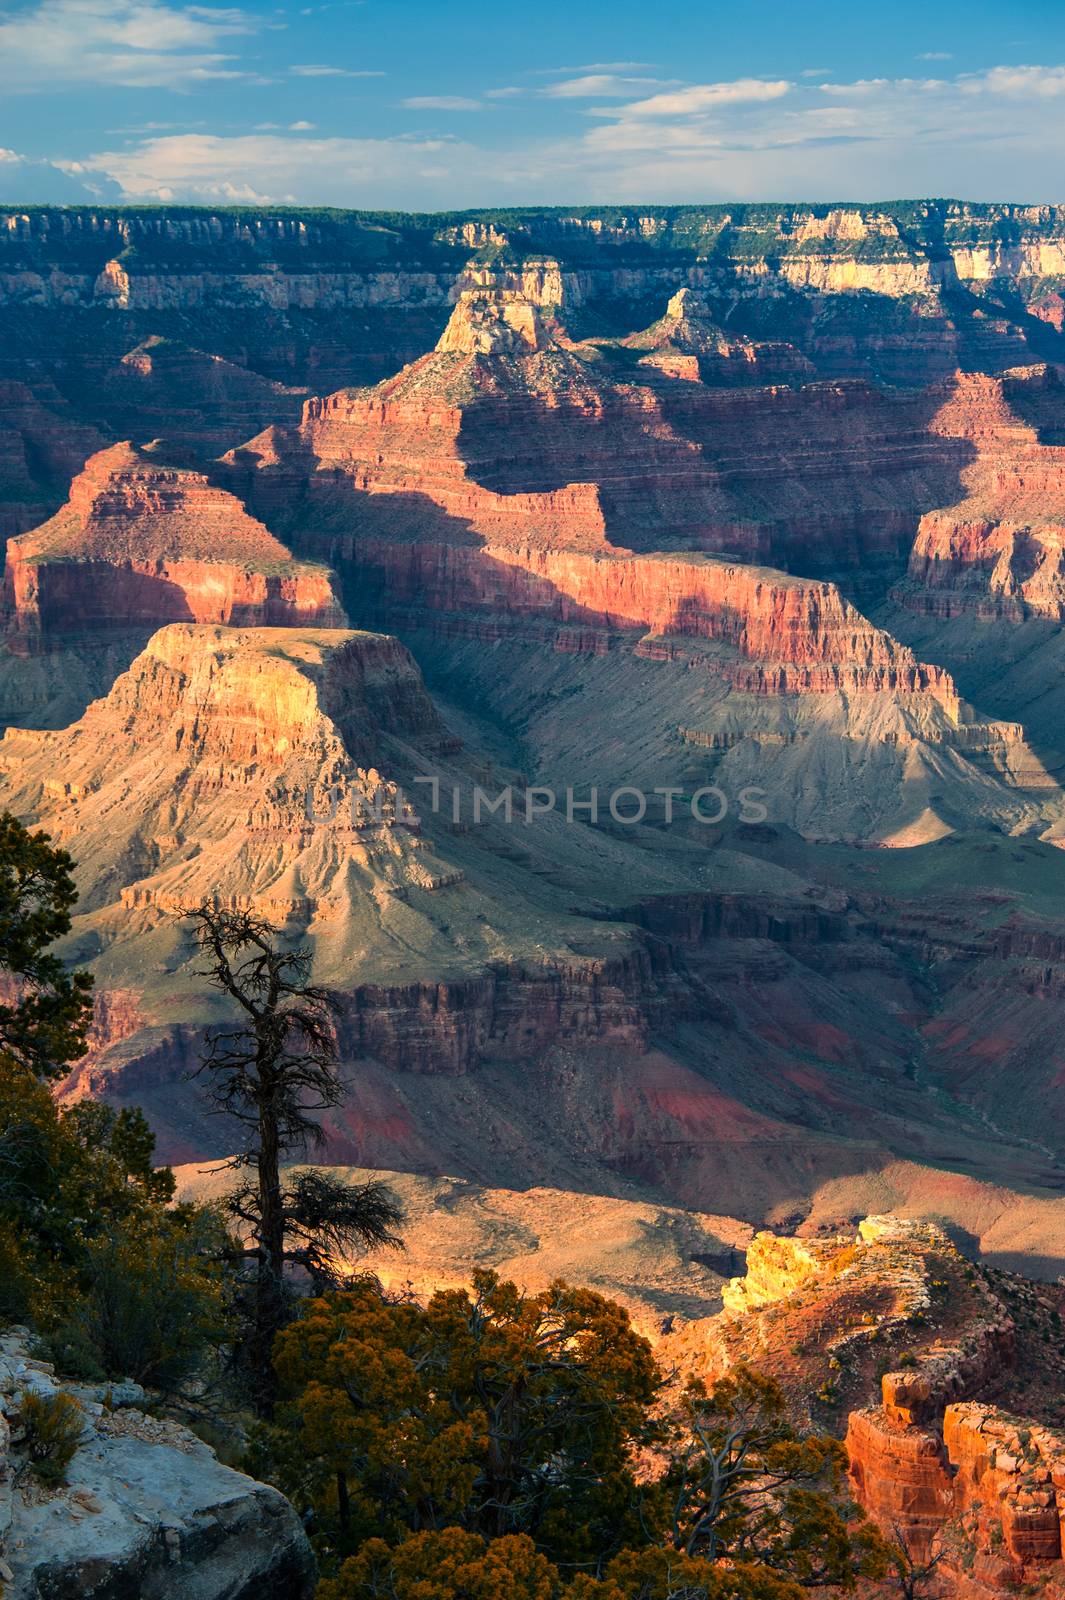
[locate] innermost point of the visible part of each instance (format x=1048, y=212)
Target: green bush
x=118, y=1282
x=53, y=1425
x=152, y=1301
x=71, y=1350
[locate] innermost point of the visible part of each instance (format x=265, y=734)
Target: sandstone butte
x=740, y=496
x=687, y=343
x=140, y=543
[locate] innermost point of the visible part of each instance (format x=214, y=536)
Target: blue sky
x=418, y=104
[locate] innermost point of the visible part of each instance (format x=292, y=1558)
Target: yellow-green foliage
x=505, y=1412
x=53, y=1425
x=496, y=1444
x=449, y=1565
x=456, y=1565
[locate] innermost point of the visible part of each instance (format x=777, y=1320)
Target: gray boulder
x=147, y=1513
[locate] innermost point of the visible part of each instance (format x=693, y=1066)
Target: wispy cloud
x=270, y=168
x=442, y=102
x=314, y=71
x=602, y=85
x=991, y=134
x=935, y=55
x=131, y=44
x=158, y=127
x=595, y=66
x=708, y=97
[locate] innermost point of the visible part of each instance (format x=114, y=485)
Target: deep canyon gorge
x=311, y=516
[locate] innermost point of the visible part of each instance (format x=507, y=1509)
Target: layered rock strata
x=260, y=772
x=139, y=543
x=511, y=433
x=996, y=554
x=42, y=445
x=686, y=343
x=159, y=258
x=198, y=402
x=939, y=1467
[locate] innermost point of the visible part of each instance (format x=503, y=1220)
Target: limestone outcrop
x=146, y=1509
x=291, y=259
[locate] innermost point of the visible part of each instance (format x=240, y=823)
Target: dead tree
x=272, y=1072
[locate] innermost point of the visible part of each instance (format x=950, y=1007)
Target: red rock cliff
x=139, y=543
x=997, y=553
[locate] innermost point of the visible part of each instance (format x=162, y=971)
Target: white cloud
x=604, y=85
x=859, y=87
x=510, y=92
x=976, y=136
x=331, y=72
x=1046, y=83
x=272, y=168
x=158, y=127
x=132, y=44
x=595, y=66
x=935, y=55
x=708, y=97
x=442, y=102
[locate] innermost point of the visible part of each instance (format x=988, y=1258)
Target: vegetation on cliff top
x=217, y=239
x=493, y=1438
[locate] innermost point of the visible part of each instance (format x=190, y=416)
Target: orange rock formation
x=139, y=543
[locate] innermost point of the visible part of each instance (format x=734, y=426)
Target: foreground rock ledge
x=147, y=1511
